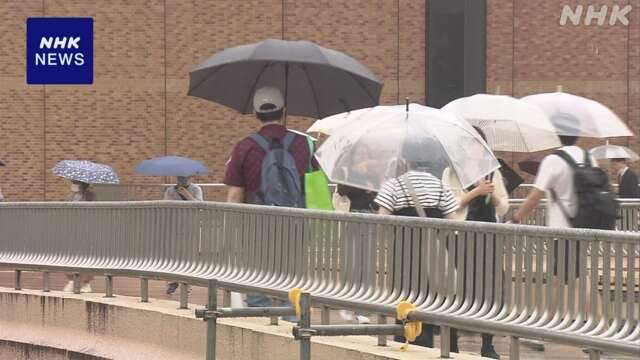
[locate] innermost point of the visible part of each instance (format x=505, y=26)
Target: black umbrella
x=531, y=164
x=511, y=178
x=316, y=82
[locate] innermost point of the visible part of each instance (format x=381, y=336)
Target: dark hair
x=480, y=132
x=623, y=160
x=568, y=140
x=85, y=189
x=270, y=116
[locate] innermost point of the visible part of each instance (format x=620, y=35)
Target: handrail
x=355, y=261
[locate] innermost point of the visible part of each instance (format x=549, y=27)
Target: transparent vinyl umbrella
x=614, y=152
x=387, y=141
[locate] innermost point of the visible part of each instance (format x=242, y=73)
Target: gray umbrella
x=317, y=82
x=86, y=171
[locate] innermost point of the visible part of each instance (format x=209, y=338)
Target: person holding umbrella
x=82, y=174
x=627, y=179
x=183, y=169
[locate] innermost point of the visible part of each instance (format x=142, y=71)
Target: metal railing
x=523, y=281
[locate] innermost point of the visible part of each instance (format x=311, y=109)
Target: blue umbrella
x=171, y=166
x=86, y=172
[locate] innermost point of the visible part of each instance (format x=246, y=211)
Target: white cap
x=267, y=96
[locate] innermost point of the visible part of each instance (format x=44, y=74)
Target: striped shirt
x=394, y=194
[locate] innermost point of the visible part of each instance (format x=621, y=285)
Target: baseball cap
x=267, y=99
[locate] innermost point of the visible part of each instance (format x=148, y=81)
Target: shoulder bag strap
x=414, y=195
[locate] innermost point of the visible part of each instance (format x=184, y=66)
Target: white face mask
x=75, y=188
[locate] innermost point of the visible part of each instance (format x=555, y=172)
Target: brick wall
x=137, y=107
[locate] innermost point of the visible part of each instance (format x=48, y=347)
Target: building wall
x=137, y=107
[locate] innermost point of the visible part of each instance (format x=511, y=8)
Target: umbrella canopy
x=573, y=115
x=171, y=166
x=614, y=152
x=508, y=123
x=316, y=81
x=531, y=164
x=329, y=124
x=86, y=172
x=387, y=141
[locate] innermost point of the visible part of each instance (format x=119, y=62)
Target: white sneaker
x=69, y=287
x=86, y=288
x=361, y=319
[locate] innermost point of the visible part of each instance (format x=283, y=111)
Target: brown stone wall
x=137, y=107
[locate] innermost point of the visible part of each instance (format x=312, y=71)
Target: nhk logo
x=59, y=51
x=593, y=15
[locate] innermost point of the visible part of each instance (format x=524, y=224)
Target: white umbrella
x=387, y=141
x=329, y=124
x=614, y=152
x=577, y=116
x=509, y=124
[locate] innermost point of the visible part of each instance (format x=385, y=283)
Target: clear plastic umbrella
x=614, y=152
x=573, y=115
x=329, y=124
x=509, y=124
x=387, y=141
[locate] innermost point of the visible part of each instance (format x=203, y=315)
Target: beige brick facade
x=137, y=107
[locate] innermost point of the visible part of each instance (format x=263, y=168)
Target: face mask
x=75, y=188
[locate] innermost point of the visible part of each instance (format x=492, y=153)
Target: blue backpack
x=280, y=182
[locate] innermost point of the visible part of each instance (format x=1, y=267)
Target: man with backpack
x=578, y=190
x=267, y=167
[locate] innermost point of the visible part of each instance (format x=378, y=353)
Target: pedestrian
x=350, y=199
x=417, y=193
x=80, y=191
x=186, y=191
x=566, y=206
x=183, y=190
x=486, y=201
x=628, y=187
x=267, y=167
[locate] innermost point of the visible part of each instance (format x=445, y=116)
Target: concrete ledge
x=67, y=326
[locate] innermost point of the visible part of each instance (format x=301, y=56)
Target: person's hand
x=485, y=188
x=185, y=193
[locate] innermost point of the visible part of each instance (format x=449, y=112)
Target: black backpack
x=597, y=205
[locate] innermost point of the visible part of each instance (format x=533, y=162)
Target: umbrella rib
x=356, y=79
x=264, y=68
x=191, y=90
x=313, y=90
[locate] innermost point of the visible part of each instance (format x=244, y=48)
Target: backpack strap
x=261, y=141
x=554, y=197
x=287, y=140
x=566, y=157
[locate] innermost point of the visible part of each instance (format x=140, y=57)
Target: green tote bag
x=316, y=185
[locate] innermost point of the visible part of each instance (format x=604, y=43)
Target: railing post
x=18, y=279
x=144, y=290
x=305, y=323
x=76, y=283
x=445, y=342
x=212, y=305
x=45, y=281
x=326, y=315
x=184, y=296
x=514, y=348
x=226, y=298
x=274, y=319
x=108, y=286
x=382, y=339
x=594, y=354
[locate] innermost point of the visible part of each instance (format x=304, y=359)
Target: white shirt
x=555, y=174
x=172, y=194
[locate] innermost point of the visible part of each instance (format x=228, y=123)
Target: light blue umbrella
x=171, y=166
x=86, y=172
